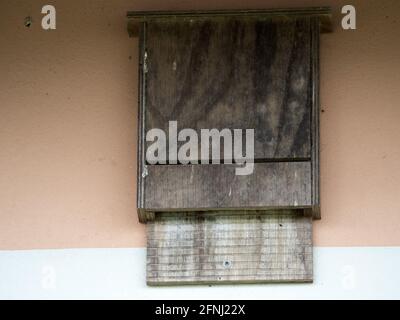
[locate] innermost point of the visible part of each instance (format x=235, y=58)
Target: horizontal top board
x=324, y=15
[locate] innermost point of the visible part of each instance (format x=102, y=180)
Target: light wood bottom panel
x=212, y=248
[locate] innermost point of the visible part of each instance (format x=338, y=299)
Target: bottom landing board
x=223, y=247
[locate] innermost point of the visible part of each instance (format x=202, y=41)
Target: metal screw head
x=227, y=264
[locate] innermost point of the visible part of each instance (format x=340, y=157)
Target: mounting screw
x=28, y=21
x=145, y=173
x=227, y=264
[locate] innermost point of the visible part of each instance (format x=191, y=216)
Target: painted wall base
x=339, y=273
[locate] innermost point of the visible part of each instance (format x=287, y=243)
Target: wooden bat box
x=230, y=71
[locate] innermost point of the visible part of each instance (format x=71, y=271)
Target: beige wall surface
x=68, y=124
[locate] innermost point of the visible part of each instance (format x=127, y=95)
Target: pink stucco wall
x=68, y=109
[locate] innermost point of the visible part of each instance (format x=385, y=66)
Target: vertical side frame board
x=315, y=114
x=140, y=30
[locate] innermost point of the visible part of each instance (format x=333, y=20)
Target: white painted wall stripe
x=339, y=273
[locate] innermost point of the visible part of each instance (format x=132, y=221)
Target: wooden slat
x=235, y=73
x=141, y=161
x=207, y=187
x=226, y=248
x=315, y=139
x=323, y=14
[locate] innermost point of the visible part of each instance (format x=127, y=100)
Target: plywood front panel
x=223, y=248
x=236, y=73
x=193, y=187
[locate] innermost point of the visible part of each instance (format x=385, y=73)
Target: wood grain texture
x=223, y=248
x=315, y=121
x=236, y=73
x=208, y=187
x=141, y=161
x=323, y=14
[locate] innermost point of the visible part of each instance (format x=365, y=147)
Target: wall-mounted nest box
x=234, y=70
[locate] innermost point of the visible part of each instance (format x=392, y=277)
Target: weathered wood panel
x=236, y=73
x=221, y=248
x=322, y=14
x=206, y=187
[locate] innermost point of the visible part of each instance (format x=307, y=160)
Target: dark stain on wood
x=241, y=73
